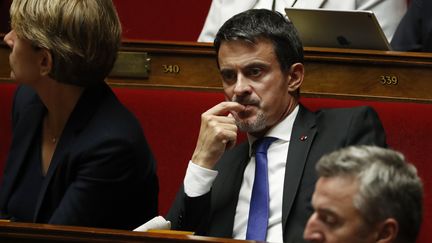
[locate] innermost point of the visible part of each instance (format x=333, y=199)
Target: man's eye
x=254, y=72
x=330, y=220
x=228, y=76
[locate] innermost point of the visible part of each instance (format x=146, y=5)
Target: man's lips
x=248, y=102
x=249, y=107
x=247, y=111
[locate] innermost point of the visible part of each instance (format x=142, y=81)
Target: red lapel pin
x=303, y=138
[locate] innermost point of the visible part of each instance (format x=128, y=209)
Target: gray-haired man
x=365, y=194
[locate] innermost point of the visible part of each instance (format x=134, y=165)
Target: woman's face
x=25, y=60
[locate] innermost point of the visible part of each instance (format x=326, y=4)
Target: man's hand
x=218, y=132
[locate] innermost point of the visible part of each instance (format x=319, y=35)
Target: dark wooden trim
x=27, y=232
x=330, y=72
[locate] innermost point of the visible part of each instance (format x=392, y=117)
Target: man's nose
x=242, y=85
x=311, y=232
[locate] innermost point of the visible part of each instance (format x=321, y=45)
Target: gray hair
x=389, y=186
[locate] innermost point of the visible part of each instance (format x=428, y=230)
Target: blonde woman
x=78, y=156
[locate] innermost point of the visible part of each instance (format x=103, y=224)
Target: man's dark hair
x=256, y=24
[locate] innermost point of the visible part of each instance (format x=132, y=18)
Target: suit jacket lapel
x=224, y=205
x=302, y=136
x=24, y=134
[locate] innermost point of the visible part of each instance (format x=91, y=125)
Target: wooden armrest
x=173, y=232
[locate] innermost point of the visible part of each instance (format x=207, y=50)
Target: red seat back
x=171, y=121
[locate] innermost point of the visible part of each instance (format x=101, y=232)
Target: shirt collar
x=281, y=131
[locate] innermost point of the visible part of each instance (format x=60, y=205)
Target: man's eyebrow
x=256, y=64
x=326, y=211
x=225, y=69
x=253, y=64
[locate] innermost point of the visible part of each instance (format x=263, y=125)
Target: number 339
x=388, y=80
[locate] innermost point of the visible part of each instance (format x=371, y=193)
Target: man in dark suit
x=414, y=32
x=260, y=57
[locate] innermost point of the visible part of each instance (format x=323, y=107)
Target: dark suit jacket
x=414, y=32
x=102, y=173
x=327, y=130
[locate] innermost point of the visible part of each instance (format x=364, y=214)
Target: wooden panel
x=373, y=74
x=329, y=72
x=195, y=63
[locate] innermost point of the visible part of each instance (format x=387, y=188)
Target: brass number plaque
x=171, y=69
x=389, y=80
x=131, y=65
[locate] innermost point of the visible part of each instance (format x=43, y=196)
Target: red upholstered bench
x=171, y=118
x=7, y=91
x=171, y=121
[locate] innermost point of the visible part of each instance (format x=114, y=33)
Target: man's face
x=335, y=218
x=252, y=76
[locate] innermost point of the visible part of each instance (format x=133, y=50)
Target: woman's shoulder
x=25, y=95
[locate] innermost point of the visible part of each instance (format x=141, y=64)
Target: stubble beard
x=253, y=126
x=256, y=125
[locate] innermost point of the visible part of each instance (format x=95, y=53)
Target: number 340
x=171, y=68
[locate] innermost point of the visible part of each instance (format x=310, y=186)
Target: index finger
x=225, y=107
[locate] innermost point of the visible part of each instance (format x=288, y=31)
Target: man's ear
x=45, y=62
x=387, y=231
x=296, y=75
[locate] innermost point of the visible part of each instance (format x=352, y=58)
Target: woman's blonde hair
x=83, y=36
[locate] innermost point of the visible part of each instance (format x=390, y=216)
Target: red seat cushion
x=171, y=121
x=7, y=91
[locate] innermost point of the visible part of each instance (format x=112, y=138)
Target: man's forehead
x=336, y=195
x=246, y=43
x=236, y=52
x=336, y=188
